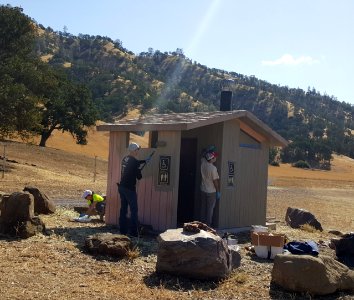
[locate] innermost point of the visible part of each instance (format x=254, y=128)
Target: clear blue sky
x=303, y=43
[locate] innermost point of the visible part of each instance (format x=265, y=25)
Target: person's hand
x=218, y=196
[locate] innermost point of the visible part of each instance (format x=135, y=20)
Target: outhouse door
x=187, y=175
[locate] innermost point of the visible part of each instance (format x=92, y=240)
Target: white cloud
x=289, y=60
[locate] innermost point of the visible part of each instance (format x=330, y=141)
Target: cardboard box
x=267, y=239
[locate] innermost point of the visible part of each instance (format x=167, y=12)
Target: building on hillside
x=168, y=193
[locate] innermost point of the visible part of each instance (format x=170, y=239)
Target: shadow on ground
x=276, y=292
x=147, y=244
x=176, y=283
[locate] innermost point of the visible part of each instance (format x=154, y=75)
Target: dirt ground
x=56, y=266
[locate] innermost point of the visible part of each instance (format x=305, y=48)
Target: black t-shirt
x=130, y=172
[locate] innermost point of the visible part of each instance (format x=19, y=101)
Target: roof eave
x=242, y=115
x=274, y=138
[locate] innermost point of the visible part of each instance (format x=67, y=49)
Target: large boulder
x=296, y=217
x=315, y=275
x=42, y=204
x=16, y=207
x=344, y=247
x=200, y=255
x=17, y=216
x=116, y=245
x=30, y=228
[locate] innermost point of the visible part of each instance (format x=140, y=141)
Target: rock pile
x=116, y=245
x=17, y=216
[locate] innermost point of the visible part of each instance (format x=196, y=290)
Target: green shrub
x=301, y=164
x=275, y=163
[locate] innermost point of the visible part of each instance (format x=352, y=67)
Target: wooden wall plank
x=109, y=192
x=117, y=149
x=168, y=196
x=143, y=185
x=111, y=195
x=253, y=186
x=145, y=199
x=163, y=210
x=154, y=208
x=229, y=203
x=169, y=212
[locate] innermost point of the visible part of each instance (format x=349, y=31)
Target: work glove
x=218, y=195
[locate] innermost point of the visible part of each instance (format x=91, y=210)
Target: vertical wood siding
x=157, y=206
x=166, y=212
x=252, y=194
x=245, y=203
x=117, y=148
x=241, y=205
x=229, y=204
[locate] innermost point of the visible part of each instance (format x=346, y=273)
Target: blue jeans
x=100, y=207
x=128, y=198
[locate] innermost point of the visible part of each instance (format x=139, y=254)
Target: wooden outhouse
x=169, y=192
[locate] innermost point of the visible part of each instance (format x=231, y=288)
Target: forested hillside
x=170, y=82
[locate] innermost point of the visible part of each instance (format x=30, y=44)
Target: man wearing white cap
x=95, y=202
x=210, y=187
x=130, y=173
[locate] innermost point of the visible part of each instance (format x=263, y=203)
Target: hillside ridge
x=165, y=82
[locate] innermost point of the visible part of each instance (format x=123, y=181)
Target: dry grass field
x=329, y=195
x=55, y=266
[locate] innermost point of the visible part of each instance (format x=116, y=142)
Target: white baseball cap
x=133, y=146
x=86, y=193
x=210, y=155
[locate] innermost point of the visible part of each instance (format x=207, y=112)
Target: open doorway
x=187, y=176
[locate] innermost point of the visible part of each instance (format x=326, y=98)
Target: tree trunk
x=44, y=138
x=45, y=135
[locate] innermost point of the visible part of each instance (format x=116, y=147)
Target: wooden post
x=94, y=172
x=4, y=162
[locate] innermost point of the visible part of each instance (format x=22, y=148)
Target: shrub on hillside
x=301, y=164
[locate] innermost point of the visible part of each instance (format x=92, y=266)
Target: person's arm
x=216, y=185
x=91, y=209
x=138, y=170
x=216, y=182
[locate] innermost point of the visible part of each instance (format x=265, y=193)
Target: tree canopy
x=36, y=98
x=18, y=85
x=66, y=107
